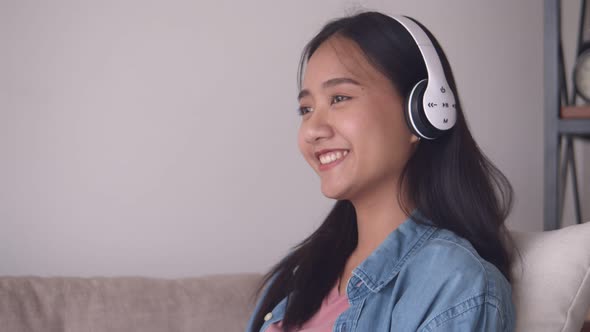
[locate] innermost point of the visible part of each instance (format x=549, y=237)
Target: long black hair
x=449, y=180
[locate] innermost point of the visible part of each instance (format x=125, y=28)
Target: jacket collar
x=384, y=263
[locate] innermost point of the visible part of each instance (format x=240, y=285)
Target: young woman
x=416, y=240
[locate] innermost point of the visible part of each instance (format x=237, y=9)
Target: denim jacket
x=421, y=278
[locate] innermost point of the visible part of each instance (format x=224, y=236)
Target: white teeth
x=332, y=156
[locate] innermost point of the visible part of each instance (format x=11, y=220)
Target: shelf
x=575, y=112
x=574, y=126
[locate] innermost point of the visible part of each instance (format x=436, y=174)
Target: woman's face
x=353, y=110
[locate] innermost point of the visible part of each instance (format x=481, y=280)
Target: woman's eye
x=337, y=99
x=303, y=110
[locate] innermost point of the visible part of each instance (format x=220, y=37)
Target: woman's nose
x=317, y=127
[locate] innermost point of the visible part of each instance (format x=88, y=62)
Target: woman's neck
x=378, y=213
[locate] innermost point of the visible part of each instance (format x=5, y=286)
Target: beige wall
x=159, y=138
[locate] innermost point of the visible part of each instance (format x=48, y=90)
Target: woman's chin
x=334, y=193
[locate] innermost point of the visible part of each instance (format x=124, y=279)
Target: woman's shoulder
x=447, y=256
x=453, y=275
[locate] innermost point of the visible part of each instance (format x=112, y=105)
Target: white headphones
x=430, y=107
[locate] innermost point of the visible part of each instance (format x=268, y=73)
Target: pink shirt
x=323, y=320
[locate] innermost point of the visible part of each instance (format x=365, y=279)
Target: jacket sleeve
x=485, y=317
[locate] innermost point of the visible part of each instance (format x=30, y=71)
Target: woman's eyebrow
x=329, y=83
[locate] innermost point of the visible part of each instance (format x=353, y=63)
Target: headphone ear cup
x=414, y=113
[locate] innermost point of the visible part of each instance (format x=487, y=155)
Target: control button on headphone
x=442, y=89
x=445, y=104
x=445, y=120
x=432, y=104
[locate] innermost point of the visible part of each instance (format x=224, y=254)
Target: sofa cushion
x=551, y=287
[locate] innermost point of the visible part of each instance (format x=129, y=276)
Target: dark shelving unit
x=564, y=121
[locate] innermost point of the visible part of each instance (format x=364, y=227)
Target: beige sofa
x=551, y=293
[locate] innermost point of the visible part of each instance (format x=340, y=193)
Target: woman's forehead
x=341, y=57
x=336, y=55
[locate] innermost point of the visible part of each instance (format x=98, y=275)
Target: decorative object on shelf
x=582, y=67
x=582, y=74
